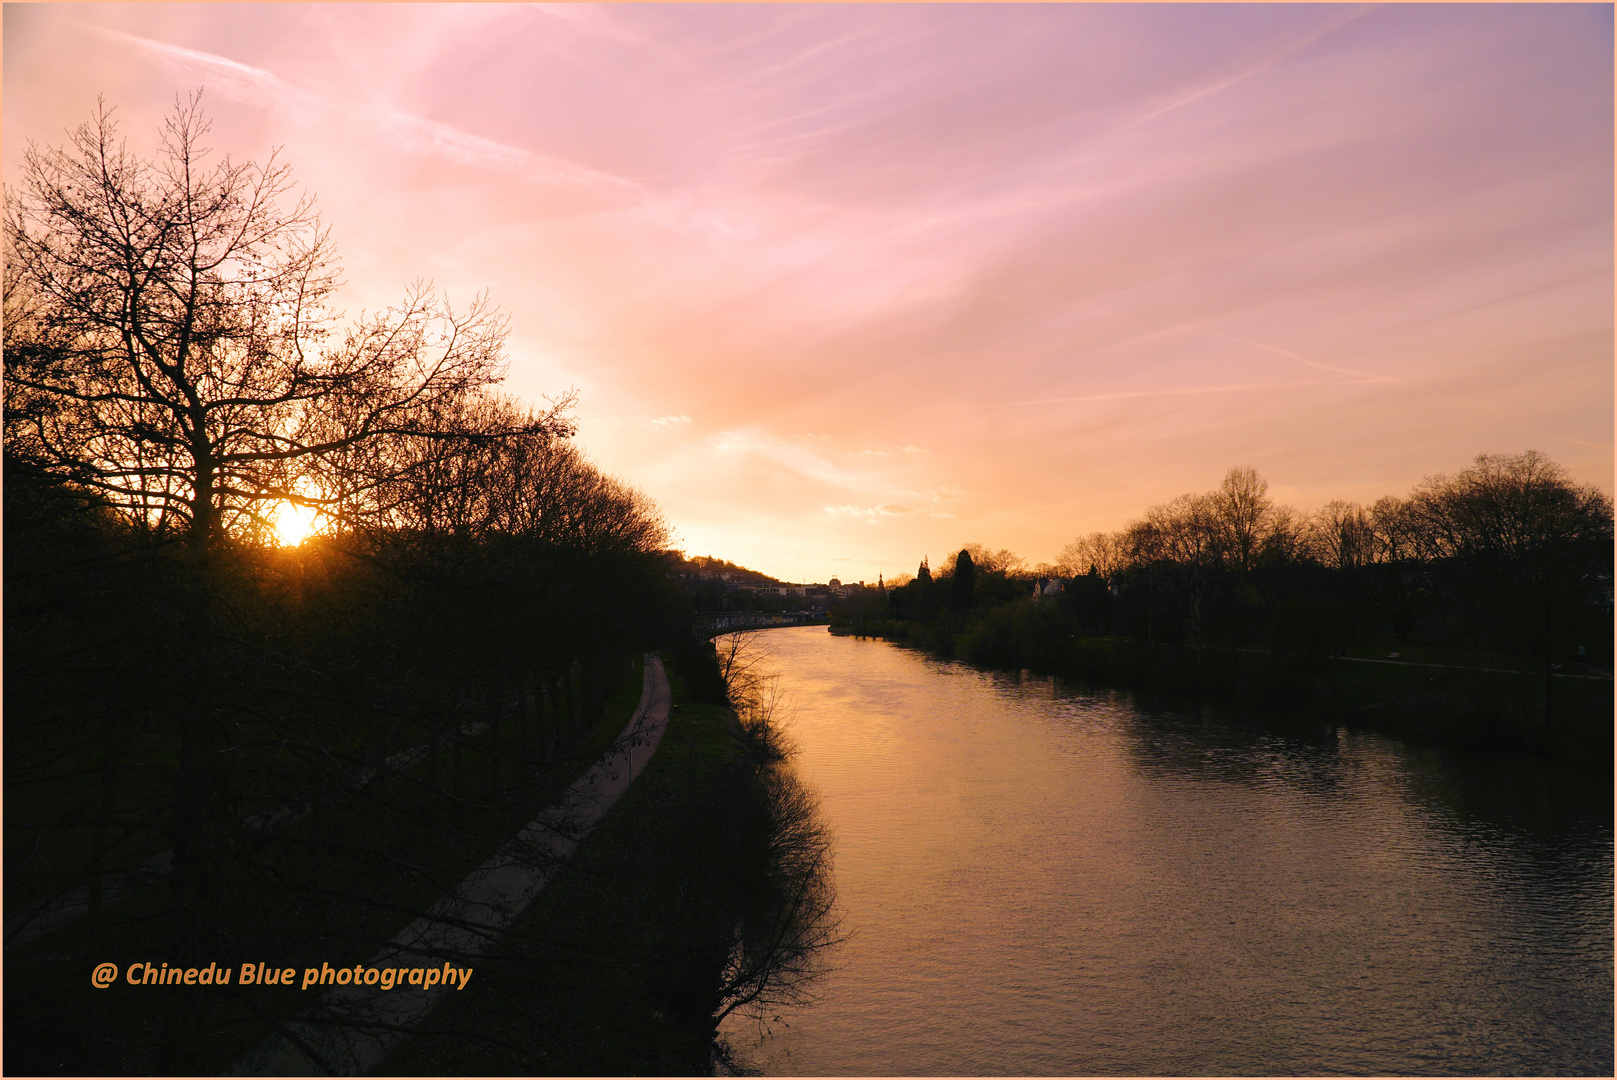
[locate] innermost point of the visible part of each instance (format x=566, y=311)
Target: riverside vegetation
x=706, y=892
x=1474, y=611
x=221, y=748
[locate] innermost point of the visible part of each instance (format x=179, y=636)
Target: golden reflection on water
x=1043, y=879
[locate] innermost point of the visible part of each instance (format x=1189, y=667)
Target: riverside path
x=352, y=1028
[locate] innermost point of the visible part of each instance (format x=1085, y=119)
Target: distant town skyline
x=841, y=287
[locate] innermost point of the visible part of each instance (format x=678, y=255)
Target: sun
x=293, y=523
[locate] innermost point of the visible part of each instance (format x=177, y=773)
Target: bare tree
x=1105, y=552
x=1519, y=538
x=745, y=664
x=1188, y=533
x=1400, y=555
x=171, y=349
x=777, y=947
x=1340, y=535
x=179, y=352
x=1519, y=507
x=1189, y=530
x=985, y=560
x=1244, y=516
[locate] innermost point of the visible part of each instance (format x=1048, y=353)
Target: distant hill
x=719, y=570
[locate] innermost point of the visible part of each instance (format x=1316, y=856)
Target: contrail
x=1331, y=26
x=1303, y=359
x=428, y=138
x=1122, y=394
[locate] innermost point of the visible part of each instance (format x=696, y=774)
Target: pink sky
x=843, y=286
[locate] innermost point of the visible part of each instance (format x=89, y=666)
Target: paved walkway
x=352, y=1028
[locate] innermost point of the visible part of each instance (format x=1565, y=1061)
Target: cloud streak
x=1334, y=22
x=413, y=134
x=1126, y=395
x=1358, y=375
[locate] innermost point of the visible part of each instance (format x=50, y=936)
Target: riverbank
x=622, y=964
x=1052, y=878
x=350, y=1030
x=326, y=888
x=1471, y=705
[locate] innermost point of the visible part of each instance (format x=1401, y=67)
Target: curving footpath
x=353, y=1028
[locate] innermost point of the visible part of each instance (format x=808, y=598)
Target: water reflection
x=1051, y=879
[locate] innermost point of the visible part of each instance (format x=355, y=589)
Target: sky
x=841, y=286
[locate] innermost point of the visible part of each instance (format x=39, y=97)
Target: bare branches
x=530, y=485
x=778, y=947
x=171, y=342
x=1098, y=551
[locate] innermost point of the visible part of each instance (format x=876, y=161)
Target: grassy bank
x=1450, y=698
x=622, y=964
x=331, y=887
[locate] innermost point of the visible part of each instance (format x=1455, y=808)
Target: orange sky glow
x=843, y=286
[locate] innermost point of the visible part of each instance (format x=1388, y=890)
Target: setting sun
x=293, y=523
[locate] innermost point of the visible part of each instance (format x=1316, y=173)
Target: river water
x=1040, y=878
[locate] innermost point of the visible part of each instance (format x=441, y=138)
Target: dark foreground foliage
x=220, y=750
x=706, y=891
x=279, y=755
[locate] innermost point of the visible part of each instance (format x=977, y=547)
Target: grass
x=1474, y=699
x=614, y=969
x=332, y=887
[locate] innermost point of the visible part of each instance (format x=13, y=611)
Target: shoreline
x=1495, y=710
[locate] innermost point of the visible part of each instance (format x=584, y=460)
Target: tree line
x=1505, y=564
x=1508, y=555
x=220, y=748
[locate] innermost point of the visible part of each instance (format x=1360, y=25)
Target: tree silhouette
x=170, y=342
x=220, y=745
x=964, y=582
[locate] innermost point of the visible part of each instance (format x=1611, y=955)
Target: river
x=1040, y=878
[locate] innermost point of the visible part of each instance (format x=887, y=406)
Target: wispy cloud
x=1335, y=20
x=871, y=513
x=236, y=80
x=1362, y=375
x=406, y=132
x=1123, y=395
x=908, y=450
